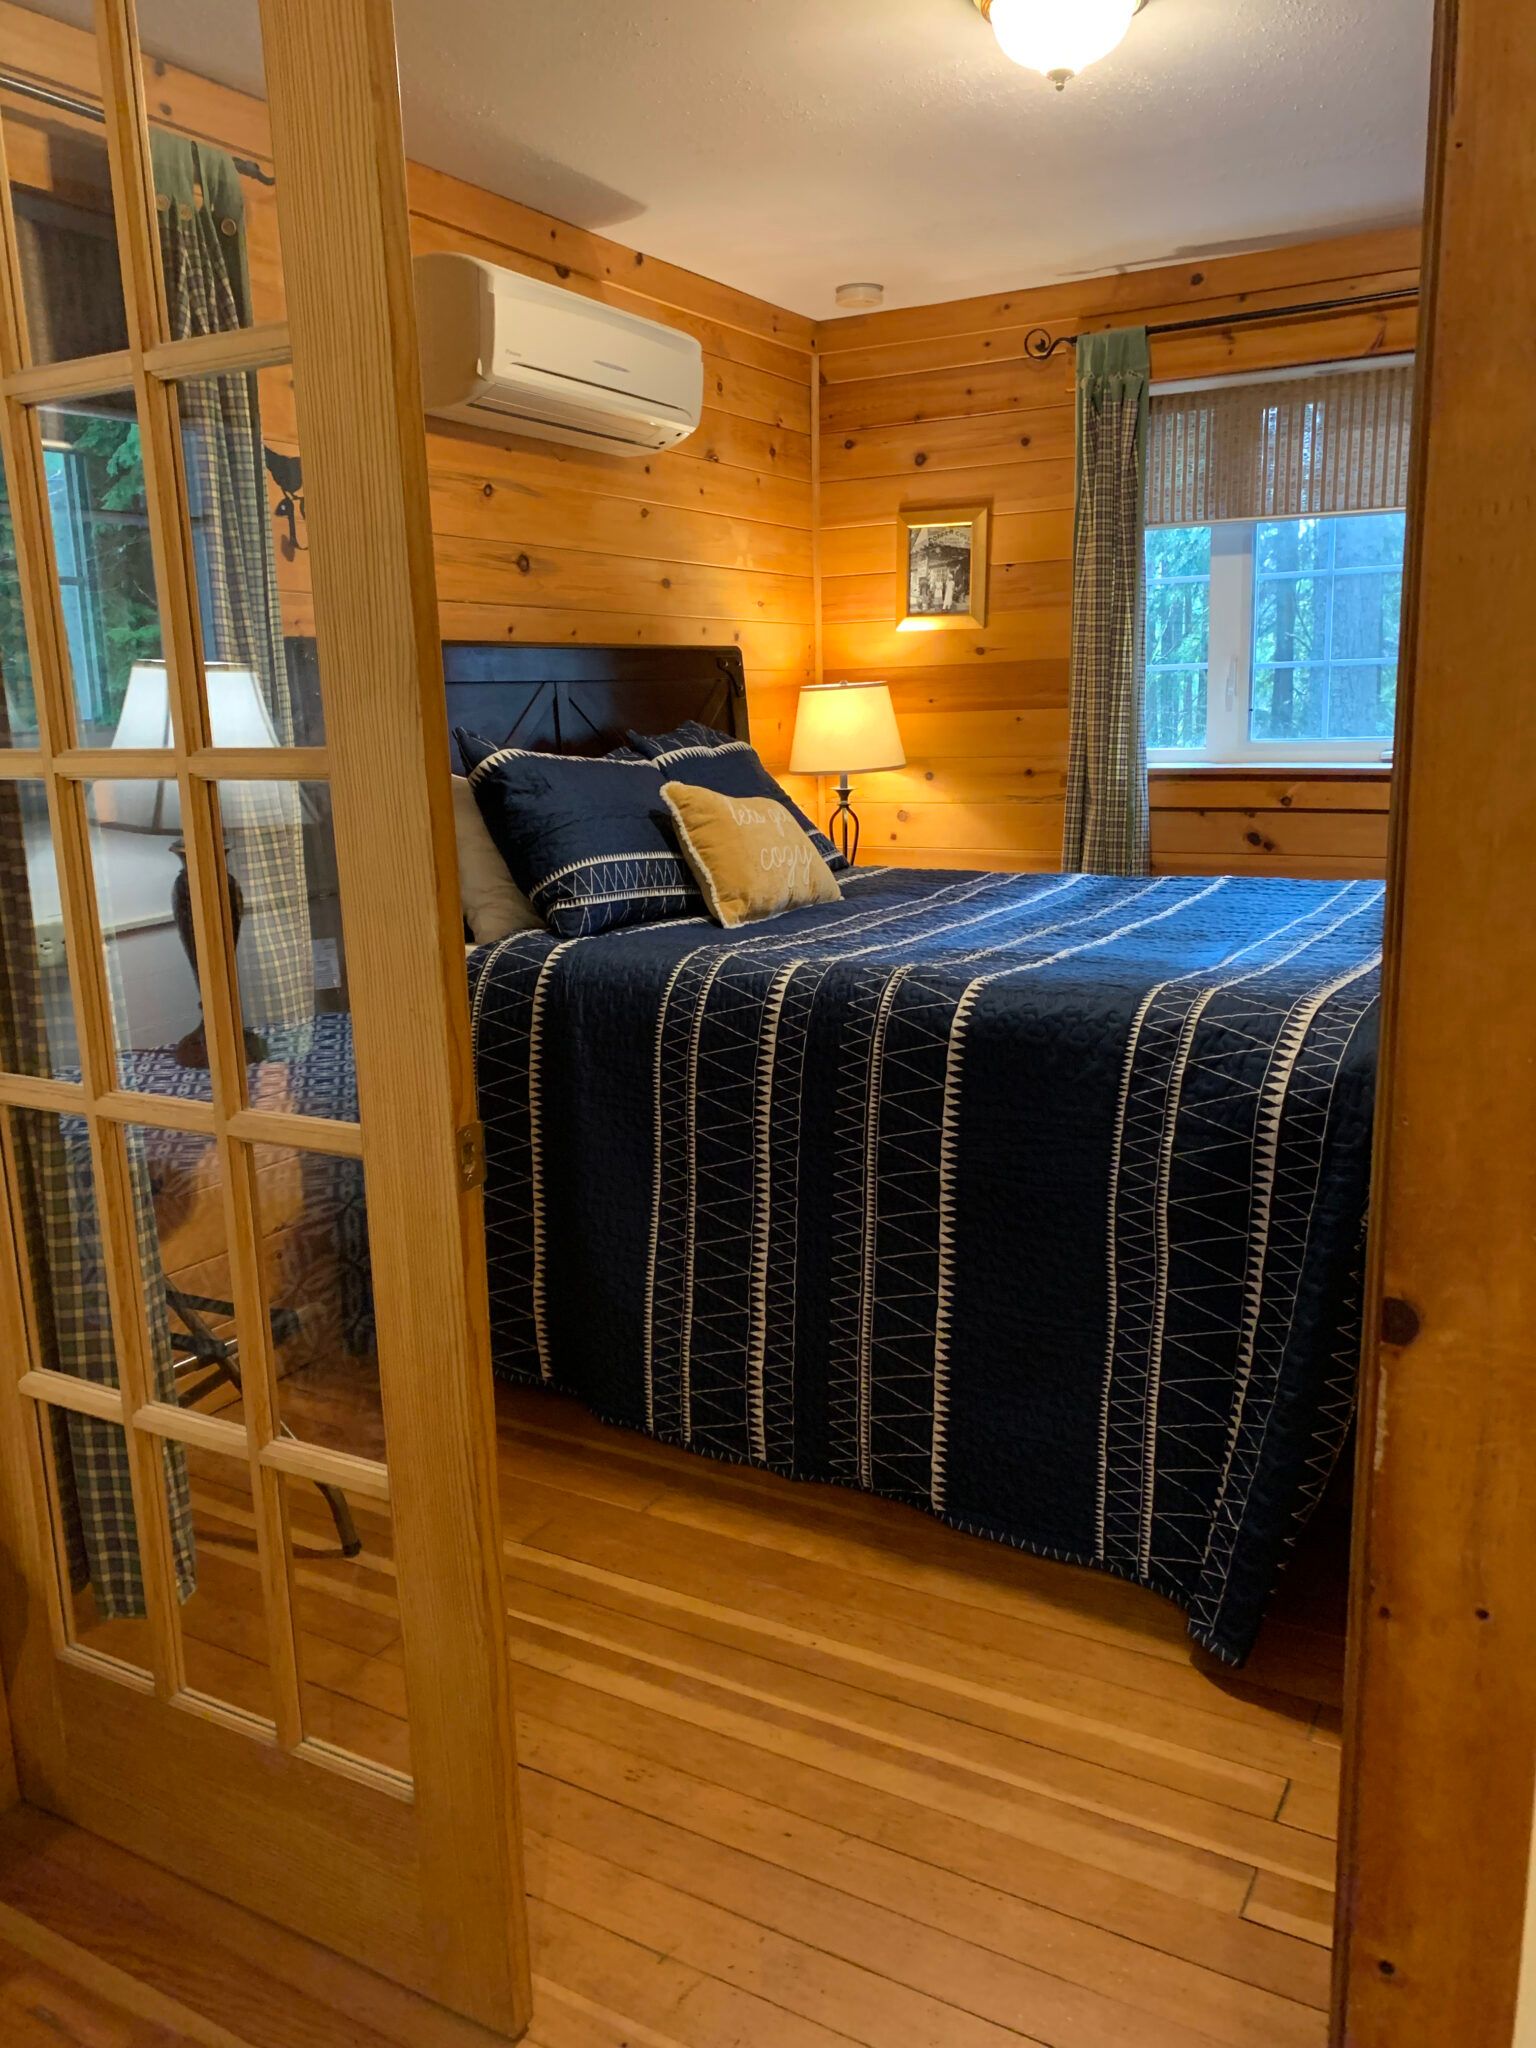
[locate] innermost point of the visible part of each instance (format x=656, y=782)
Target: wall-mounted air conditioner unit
x=508, y=353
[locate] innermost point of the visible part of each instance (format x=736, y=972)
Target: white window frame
x=1229, y=678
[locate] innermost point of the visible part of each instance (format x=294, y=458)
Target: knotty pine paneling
x=940, y=405
x=719, y=541
x=1323, y=824
x=711, y=544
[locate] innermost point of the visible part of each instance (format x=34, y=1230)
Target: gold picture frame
x=941, y=575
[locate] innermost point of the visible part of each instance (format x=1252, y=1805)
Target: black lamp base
x=843, y=826
x=192, y=1051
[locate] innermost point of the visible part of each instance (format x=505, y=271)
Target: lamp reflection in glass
x=238, y=717
x=845, y=729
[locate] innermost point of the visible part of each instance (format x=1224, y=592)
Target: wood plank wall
x=939, y=404
x=719, y=542
x=709, y=545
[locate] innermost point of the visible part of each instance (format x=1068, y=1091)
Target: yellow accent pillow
x=747, y=854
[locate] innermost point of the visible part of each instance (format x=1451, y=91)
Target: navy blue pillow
x=698, y=754
x=691, y=733
x=590, y=843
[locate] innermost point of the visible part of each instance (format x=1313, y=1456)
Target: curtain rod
x=24, y=87
x=1040, y=344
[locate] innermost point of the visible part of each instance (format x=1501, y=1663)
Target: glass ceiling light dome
x=1059, y=37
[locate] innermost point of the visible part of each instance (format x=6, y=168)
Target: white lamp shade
x=237, y=717
x=846, y=729
x=1060, y=37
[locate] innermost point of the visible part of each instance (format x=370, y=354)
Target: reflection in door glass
x=138, y=859
x=94, y=465
x=250, y=545
x=96, y=1537
x=290, y=961
x=72, y=1333
x=223, y=1623
x=319, y=1289
x=37, y=1025
x=215, y=194
x=18, y=700
x=61, y=189
x=347, y=1612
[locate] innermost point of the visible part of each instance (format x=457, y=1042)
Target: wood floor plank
x=1091, y=1718
x=801, y=1769
x=803, y=1981
x=228, y=1969
x=921, y=1555
x=1313, y=1807
x=563, y=2018
x=1064, y=1959
x=886, y=1694
x=1071, y=1889
x=881, y=1616
x=684, y=2005
x=1297, y=1909
x=1042, y=1822
x=53, y=1992
x=976, y=1758
x=876, y=1933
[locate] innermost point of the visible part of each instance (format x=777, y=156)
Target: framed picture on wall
x=942, y=567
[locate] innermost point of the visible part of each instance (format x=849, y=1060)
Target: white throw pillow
x=493, y=903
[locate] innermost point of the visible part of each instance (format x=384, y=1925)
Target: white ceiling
x=787, y=145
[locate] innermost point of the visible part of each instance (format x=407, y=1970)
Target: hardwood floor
x=800, y=1769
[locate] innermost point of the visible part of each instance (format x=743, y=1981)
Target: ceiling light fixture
x=860, y=294
x=1059, y=37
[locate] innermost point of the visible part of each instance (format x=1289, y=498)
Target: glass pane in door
x=18, y=699
x=212, y=151
x=183, y=1248
x=138, y=860
x=54, y=1191
x=61, y=191
x=99, y=519
x=346, y=1608
x=222, y=1618
x=313, y=1218
x=37, y=1025
x=289, y=957
x=95, y=1536
x=250, y=546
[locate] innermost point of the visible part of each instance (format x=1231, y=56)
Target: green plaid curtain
x=207, y=281
x=1106, y=831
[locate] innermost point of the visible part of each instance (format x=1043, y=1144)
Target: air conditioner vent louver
x=499, y=350
x=582, y=419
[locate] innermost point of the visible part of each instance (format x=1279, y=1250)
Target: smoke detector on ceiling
x=861, y=295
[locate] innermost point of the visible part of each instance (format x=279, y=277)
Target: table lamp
x=845, y=729
x=237, y=717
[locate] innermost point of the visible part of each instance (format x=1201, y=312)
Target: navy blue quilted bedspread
x=1034, y=1201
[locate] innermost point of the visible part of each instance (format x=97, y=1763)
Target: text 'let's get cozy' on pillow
x=747, y=854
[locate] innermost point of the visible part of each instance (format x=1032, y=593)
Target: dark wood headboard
x=581, y=700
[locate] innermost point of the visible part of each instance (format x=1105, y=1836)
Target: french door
x=251, y=1611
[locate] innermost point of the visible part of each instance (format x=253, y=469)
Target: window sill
x=1266, y=771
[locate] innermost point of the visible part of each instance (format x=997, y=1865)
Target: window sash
x=1229, y=741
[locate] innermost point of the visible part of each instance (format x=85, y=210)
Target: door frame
x=417, y=1877
x=1440, y=1719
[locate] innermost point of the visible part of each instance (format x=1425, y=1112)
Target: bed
x=1033, y=1201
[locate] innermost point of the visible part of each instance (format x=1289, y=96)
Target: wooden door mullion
x=133, y=180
